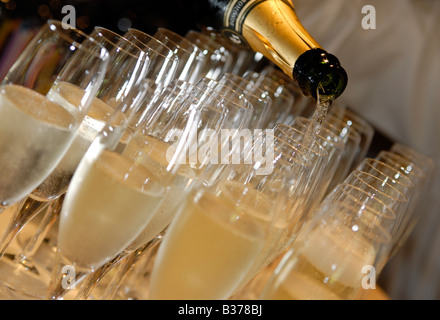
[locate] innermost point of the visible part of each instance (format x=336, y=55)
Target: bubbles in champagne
x=109, y=201
x=34, y=134
x=70, y=96
x=205, y=253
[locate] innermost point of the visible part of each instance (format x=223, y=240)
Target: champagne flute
x=260, y=100
x=125, y=73
x=212, y=113
x=361, y=125
x=351, y=139
x=387, y=193
x=137, y=176
x=292, y=215
x=282, y=98
x=220, y=60
x=301, y=103
x=191, y=58
x=328, y=260
x=243, y=57
x=36, y=131
x=420, y=177
x=38, y=94
x=32, y=278
x=163, y=61
x=128, y=64
x=321, y=154
x=223, y=226
x=239, y=113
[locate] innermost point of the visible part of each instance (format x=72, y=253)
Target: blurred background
x=20, y=19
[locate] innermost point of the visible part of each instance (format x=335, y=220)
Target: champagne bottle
x=272, y=28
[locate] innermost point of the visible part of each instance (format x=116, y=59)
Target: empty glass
x=243, y=58
x=424, y=162
x=331, y=142
x=301, y=103
x=336, y=251
x=219, y=59
x=362, y=126
x=259, y=99
x=351, y=139
x=191, y=58
x=163, y=61
x=420, y=177
x=282, y=99
x=240, y=109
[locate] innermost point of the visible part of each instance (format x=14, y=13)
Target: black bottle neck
x=318, y=72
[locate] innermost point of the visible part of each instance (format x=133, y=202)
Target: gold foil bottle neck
x=270, y=27
x=273, y=29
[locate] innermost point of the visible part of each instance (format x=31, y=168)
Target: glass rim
x=324, y=154
x=56, y=26
x=359, y=122
x=341, y=186
x=264, y=95
x=401, y=148
x=401, y=196
x=196, y=49
x=99, y=29
x=339, y=143
x=248, y=105
x=134, y=31
x=414, y=168
x=211, y=44
x=369, y=161
x=289, y=156
x=211, y=93
x=351, y=132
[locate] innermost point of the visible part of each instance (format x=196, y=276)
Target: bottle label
x=233, y=19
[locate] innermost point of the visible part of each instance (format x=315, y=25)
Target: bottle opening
x=317, y=70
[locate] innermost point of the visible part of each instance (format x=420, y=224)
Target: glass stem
x=51, y=215
x=94, y=278
x=148, y=249
x=22, y=216
x=64, y=278
x=116, y=281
